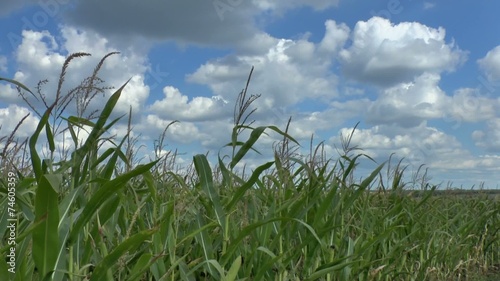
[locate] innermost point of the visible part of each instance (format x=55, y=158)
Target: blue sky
x=421, y=77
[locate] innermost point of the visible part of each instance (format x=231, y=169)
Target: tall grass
x=83, y=217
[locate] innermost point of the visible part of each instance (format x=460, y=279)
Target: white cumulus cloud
x=177, y=106
x=41, y=56
x=384, y=53
x=286, y=72
x=490, y=64
x=10, y=118
x=409, y=104
x=489, y=138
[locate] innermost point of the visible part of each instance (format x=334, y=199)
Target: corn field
x=96, y=215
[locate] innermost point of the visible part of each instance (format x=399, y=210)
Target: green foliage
x=291, y=219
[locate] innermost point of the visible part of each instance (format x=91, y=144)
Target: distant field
x=490, y=193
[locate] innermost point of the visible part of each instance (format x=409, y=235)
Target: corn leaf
x=46, y=235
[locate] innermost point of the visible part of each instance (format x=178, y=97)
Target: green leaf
x=235, y=243
x=366, y=182
x=35, y=159
x=352, y=165
x=97, y=130
x=205, y=175
x=336, y=265
x=111, y=164
x=254, y=136
x=150, y=183
x=108, y=209
x=17, y=84
x=128, y=245
x=140, y=267
x=103, y=193
x=251, y=181
x=325, y=205
x=233, y=271
x=46, y=235
x=206, y=243
x=226, y=177
x=50, y=138
x=78, y=121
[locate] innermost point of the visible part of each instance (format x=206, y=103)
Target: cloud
x=8, y=6
x=42, y=54
x=166, y=20
x=409, y=104
x=295, y=77
x=3, y=64
x=468, y=105
x=489, y=138
x=305, y=124
x=490, y=64
x=307, y=63
x=429, y=5
x=215, y=23
x=335, y=37
x=417, y=145
x=37, y=54
x=442, y=153
x=177, y=106
x=385, y=54
x=285, y=5
x=180, y=132
x=11, y=116
x=8, y=94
